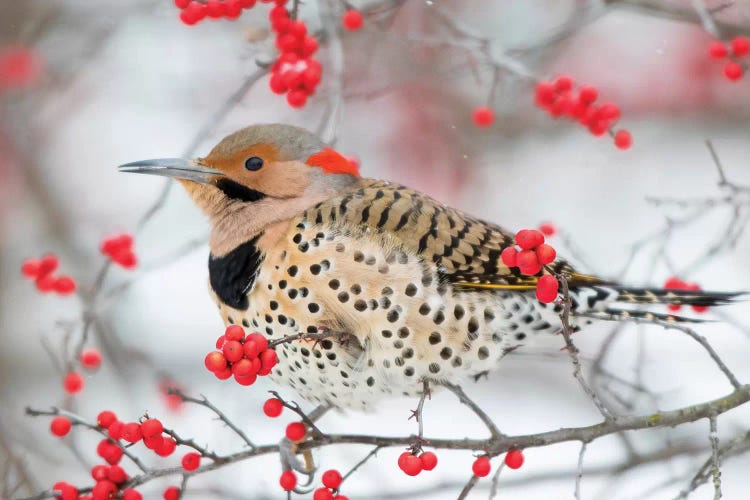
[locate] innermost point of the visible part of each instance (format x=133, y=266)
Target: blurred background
x=86, y=86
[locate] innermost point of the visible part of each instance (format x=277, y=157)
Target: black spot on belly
x=232, y=275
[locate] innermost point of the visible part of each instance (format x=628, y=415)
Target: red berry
x=332, y=479
x=352, y=20
x=288, y=480
x=481, y=466
x=741, y=46
x=233, y=9
x=151, y=427
x=546, y=289
x=235, y=332
x=91, y=358
x=73, y=383
x=623, y=139
x=733, y=71
x=546, y=254
x=109, y=451
x=276, y=83
x=188, y=17
x=153, y=442
x=527, y=259
x=131, y=494
x=67, y=491
x=114, y=430
x=509, y=256
x=30, y=268
x=48, y=264
x=259, y=340
x=99, y=472
x=563, y=82
x=547, y=228
x=309, y=46
x=166, y=448
x=116, y=474
x=45, y=283
x=232, y=351
x=530, y=269
x=296, y=98
x=674, y=283
x=410, y=464
x=429, y=460
x=104, y=490
x=483, y=116
x=181, y=4
x=131, y=432
x=191, y=461
x=588, y=94
x=172, y=493
x=514, y=459
x=310, y=78
x=215, y=8
x=718, y=50
x=60, y=426
x=296, y=431
x=609, y=111
x=273, y=407
x=223, y=374
x=250, y=349
x=322, y=494
x=246, y=380
x=246, y=367
x=545, y=94
x=528, y=239
x=268, y=360
x=700, y=309
x=125, y=258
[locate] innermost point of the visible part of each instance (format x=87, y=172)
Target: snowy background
x=125, y=81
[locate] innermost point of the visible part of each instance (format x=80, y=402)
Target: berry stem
x=203, y=401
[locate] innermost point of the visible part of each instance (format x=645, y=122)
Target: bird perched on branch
x=301, y=244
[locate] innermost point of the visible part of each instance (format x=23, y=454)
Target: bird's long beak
x=177, y=168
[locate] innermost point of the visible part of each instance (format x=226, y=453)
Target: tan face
x=274, y=178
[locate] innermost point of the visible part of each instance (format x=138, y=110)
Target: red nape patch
x=332, y=162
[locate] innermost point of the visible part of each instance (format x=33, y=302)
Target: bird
x=414, y=290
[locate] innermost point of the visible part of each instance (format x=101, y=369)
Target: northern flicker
x=301, y=244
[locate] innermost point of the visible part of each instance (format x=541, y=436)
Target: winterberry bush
x=103, y=347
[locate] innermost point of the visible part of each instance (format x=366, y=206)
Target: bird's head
x=255, y=177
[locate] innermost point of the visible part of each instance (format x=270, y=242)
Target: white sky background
x=154, y=83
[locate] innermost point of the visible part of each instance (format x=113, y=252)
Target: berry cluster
x=193, y=12
x=412, y=464
x=738, y=48
x=110, y=477
x=534, y=254
x=245, y=357
x=42, y=272
x=332, y=480
x=150, y=431
x=295, y=72
x=675, y=283
x=560, y=100
x=119, y=248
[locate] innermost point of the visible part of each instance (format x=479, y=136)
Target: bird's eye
x=254, y=163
